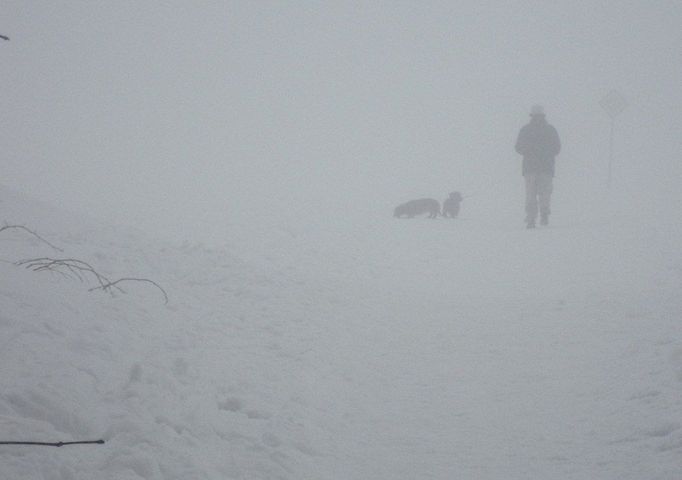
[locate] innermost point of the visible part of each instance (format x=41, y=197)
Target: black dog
x=451, y=205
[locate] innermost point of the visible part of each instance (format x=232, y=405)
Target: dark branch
x=77, y=268
x=112, y=284
x=21, y=227
x=56, y=444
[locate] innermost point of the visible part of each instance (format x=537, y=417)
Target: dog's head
x=399, y=210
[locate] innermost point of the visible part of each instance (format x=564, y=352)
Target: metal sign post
x=613, y=104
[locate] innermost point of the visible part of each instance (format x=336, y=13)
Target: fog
x=194, y=119
x=258, y=150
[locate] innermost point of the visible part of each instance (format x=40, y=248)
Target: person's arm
x=521, y=146
x=556, y=142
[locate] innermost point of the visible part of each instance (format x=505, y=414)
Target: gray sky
x=170, y=114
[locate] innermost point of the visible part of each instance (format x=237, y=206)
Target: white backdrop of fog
x=191, y=118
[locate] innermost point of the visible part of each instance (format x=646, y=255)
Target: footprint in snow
x=271, y=440
x=231, y=404
x=645, y=395
x=236, y=405
x=662, y=430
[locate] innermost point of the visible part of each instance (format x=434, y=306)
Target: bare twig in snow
x=115, y=283
x=78, y=269
x=21, y=227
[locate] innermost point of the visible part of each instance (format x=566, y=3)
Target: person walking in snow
x=539, y=143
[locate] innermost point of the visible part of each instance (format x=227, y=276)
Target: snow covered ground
x=345, y=348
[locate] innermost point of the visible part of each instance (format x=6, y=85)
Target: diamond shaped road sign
x=613, y=103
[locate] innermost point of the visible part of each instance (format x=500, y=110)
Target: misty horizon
x=269, y=167
x=176, y=117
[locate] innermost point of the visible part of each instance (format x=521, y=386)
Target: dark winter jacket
x=539, y=143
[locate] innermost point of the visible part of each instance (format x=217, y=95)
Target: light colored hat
x=537, y=110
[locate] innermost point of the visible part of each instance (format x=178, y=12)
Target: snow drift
x=402, y=349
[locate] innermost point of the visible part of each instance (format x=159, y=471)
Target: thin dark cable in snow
x=56, y=444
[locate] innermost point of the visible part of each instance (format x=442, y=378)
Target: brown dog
x=418, y=207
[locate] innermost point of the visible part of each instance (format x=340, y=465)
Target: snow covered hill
x=212, y=385
x=352, y=348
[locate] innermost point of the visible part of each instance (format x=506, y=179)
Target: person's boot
x=544, y=219
x=530, y=224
